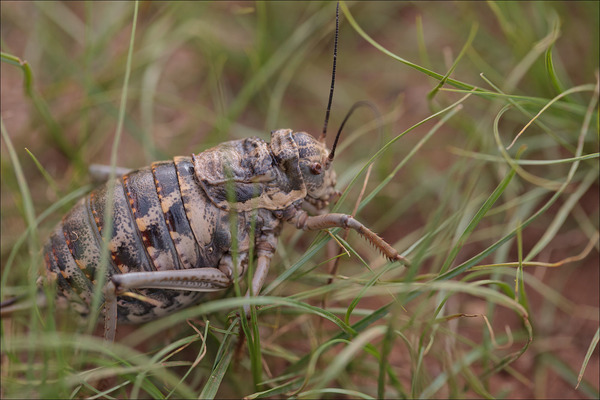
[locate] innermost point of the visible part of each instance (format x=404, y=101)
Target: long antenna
x=361, y=103
x=337, y=30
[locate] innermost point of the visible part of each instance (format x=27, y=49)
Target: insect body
x=171, y=233
x=171, y=237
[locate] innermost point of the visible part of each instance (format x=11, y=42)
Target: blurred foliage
x=482, y=222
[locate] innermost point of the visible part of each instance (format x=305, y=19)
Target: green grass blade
x=361, y=32
x=483, y=210
x=588, y=356
x=554, y=81
x=108, y=216
x=462, y=52
x=566, y=372
x=226, y=352
x=33, y=239
x=42, y=107
x=45, y=174
x=347, y=355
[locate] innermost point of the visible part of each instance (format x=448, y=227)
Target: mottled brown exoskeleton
x=171, y=238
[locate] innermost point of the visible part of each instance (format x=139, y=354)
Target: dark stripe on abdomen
x=149, y=220
x=167, y=188
x=125, y=246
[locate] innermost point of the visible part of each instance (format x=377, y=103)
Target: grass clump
x=485, y=175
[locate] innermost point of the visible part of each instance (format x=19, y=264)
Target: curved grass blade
x=588, y=355
x=108, y=215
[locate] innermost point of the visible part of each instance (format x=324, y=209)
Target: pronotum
x=171, y=238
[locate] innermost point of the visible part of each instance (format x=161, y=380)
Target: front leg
x=305, y=222
x=265, y=248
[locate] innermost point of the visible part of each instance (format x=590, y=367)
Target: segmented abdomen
x=162, y=220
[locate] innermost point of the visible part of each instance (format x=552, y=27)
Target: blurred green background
x=206, y=72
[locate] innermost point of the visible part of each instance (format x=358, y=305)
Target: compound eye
x=316, y=168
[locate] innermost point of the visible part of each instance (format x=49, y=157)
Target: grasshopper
x=172, y=237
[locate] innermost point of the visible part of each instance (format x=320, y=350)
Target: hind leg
x=197, y=279
x=100, y=172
